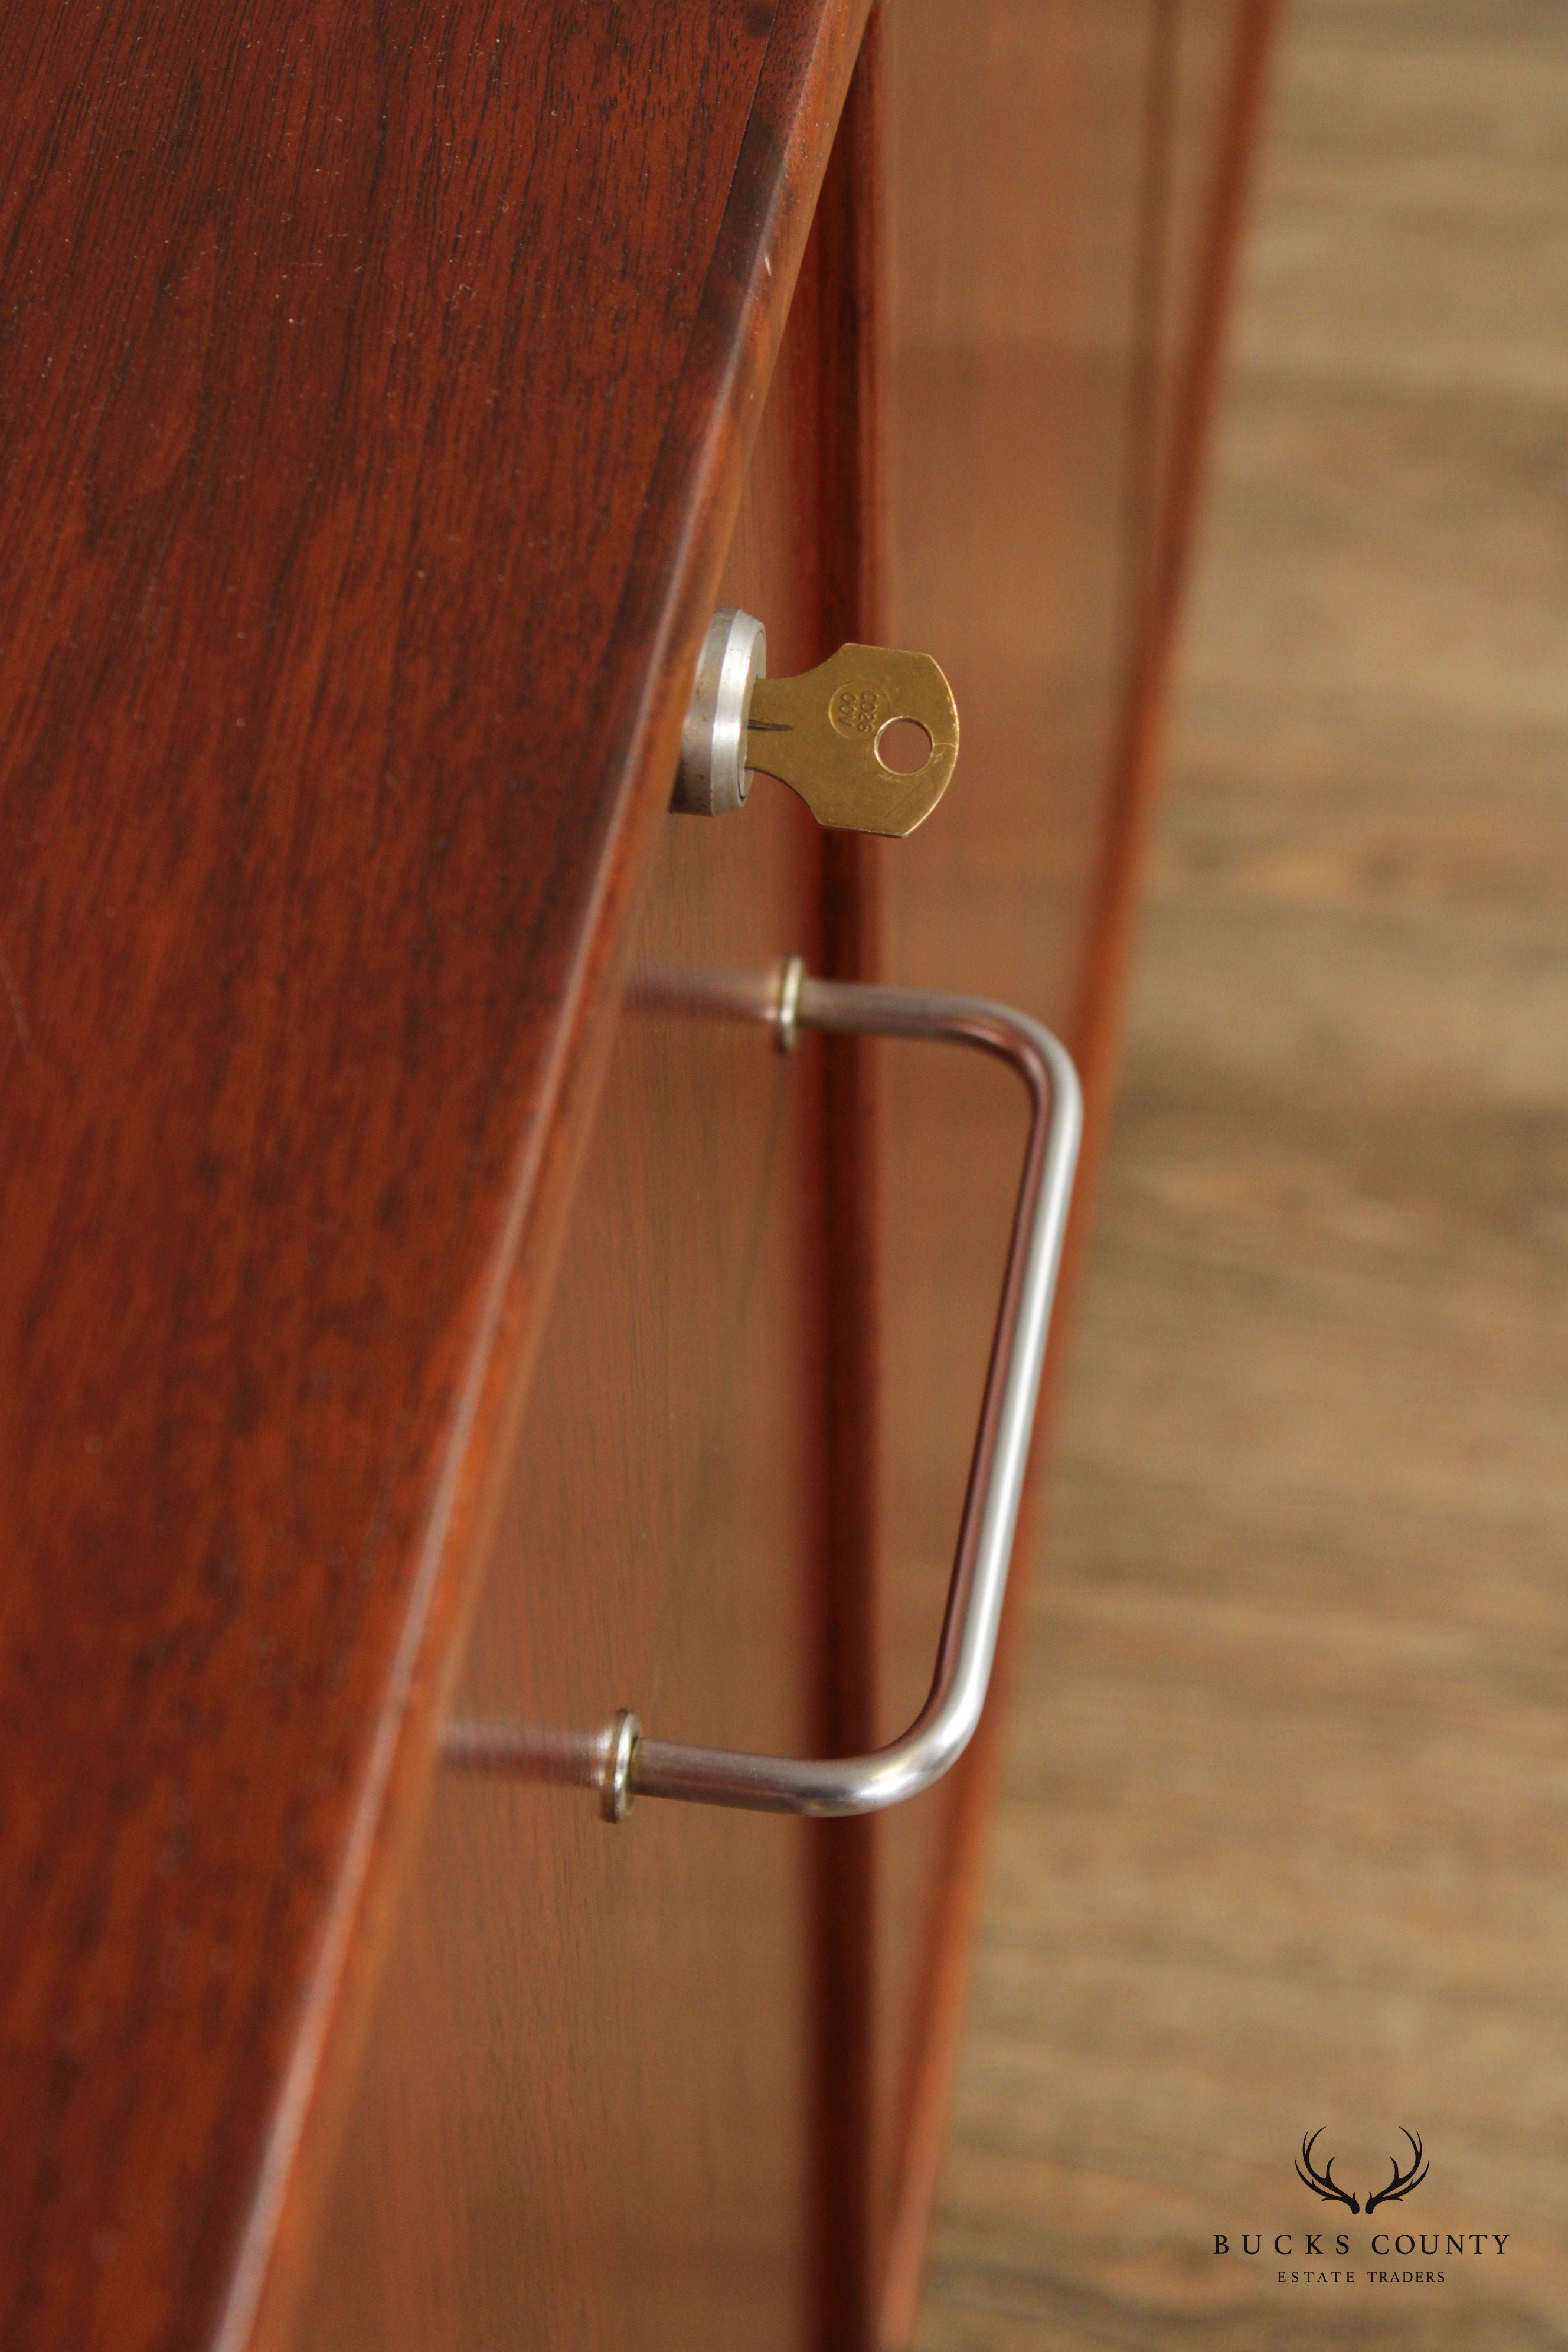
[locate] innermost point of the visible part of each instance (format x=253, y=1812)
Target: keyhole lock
x=827, y=733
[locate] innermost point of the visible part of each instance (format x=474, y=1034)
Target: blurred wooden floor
x=1286, y=1835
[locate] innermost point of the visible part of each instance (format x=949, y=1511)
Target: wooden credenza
x=412, y=1304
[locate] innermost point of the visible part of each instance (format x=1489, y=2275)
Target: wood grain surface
x=1287, y=1819
x=580, y=2110
x=1020, y=147
x=375, y=399
x=1063, y=203
x=850, y=335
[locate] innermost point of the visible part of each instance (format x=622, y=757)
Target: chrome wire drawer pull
x=622, y=1761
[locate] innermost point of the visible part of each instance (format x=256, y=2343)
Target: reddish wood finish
x=373, y=440
x=845, y=1890
x=374, y=408
x=1023, y=145
x=583, y=2106
x=1198, y=101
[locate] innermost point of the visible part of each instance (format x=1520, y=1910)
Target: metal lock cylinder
x=714, y=776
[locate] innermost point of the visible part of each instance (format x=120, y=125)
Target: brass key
x=819, y=733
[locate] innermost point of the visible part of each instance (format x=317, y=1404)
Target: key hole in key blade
x=903, y=746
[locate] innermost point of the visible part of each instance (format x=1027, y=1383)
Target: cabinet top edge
x=374, y=405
